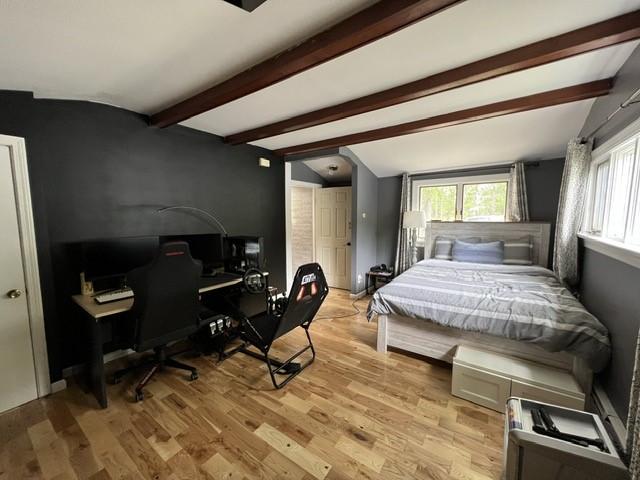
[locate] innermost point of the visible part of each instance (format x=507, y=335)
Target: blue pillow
x=490, y=252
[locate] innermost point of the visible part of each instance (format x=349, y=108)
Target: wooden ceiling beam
x=373, y=23
x=522, y=104
x=593, y=37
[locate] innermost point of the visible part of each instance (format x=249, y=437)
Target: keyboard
x=113, y=295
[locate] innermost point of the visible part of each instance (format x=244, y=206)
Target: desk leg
x=96, y=378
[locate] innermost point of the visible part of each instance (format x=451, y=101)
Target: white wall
x=301, y=226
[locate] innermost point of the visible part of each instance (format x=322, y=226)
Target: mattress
x=525, y=303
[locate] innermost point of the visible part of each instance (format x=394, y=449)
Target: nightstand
x=377, y=277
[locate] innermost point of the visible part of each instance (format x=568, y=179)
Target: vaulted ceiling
x=149, y=54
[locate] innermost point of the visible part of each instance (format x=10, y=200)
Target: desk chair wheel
x=116, y=379
x=139, y=396
x=194, y=376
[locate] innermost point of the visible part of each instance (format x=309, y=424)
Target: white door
x=17, y=369
x=333, y=235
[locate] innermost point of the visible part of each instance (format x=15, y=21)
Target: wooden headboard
x=491, y=231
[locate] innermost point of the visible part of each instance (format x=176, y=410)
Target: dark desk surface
x=97, y=311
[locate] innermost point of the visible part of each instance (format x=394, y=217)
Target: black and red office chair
x=283, y=315
x=166, y=308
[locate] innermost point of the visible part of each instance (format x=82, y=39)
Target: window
x=600, y=196
x=484, y=202
x=480, y=198
x=613, y=202
x=439, y=201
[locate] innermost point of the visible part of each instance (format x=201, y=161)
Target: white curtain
x=570, y=207
x=517, y=203
x=633, y=420
x=403, y=249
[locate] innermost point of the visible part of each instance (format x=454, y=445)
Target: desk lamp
x=213, y=220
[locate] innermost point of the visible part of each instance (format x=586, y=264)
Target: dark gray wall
x=302, y=173
x=99, y=171
x=543, y=189
x=388, y=218
x=543, y=192
x=365, y=202
x=609, y=288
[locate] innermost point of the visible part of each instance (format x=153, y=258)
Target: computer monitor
x=113, y=257
x=208, y=248
x=244, y=252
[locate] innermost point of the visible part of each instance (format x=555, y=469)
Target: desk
x=100, y=313
x=97, y=311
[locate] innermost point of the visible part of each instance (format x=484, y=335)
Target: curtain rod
x=480, y=168
x=629, y=101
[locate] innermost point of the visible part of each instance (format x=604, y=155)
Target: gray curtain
x=517, y=204
x=403, y=249
x=633, y=420
x=572, y=196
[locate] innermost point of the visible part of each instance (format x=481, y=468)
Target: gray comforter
x=525, y=303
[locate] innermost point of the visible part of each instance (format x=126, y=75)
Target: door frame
x=288, y=184
x=18, y=158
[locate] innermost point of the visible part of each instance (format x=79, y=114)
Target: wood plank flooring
x=354, y=414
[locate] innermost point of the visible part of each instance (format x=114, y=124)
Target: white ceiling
x=469, y=31
x=148, y=54
x=321, y=167
x=537, y=134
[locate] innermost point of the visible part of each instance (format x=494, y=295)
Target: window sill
x=617, y=250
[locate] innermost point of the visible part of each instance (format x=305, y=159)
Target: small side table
x=375, y=277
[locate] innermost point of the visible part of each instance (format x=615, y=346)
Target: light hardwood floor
x=354, y=413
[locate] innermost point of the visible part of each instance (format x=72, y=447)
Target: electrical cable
x=353, y=305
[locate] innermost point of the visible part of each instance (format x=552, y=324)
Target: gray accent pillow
x=489, y=252
x=443, y=246
x=518, y=251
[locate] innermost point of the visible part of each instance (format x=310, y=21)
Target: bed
x=520, y=311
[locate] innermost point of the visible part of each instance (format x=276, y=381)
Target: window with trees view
x=470, y=199
x=484, y=202
x=613, y=201
x=439, y=201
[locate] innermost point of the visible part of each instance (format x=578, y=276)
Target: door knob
x=15, y=293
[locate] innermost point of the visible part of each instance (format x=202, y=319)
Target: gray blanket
x=525, y=303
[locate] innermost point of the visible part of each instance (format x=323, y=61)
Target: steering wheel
x=254, y=281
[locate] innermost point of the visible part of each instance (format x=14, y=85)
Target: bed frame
x=439, y=342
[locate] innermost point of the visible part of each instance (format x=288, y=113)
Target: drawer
x=540, y=394
x=486, y=389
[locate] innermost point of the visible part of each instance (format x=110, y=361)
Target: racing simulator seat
x=283, y=315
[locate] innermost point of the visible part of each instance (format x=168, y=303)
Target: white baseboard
x=108, y=357
x=609, y=417
x=358, y=296
x=58, y=386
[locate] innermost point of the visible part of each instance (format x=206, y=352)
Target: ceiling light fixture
x=332, y=169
